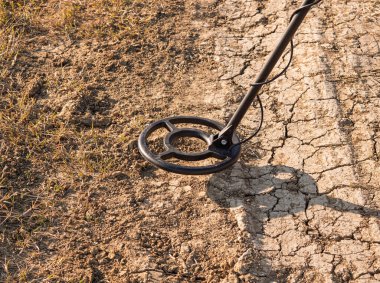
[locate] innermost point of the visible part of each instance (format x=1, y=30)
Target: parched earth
x=301, y=205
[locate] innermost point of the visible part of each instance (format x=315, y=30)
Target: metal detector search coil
x=224, y=146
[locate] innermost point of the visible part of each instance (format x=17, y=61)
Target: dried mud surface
x=301, y=205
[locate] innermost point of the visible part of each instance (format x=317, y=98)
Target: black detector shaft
x=223, y=146
x=226, y=133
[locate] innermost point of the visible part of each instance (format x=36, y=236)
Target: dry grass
x=34, y=141
x=25, y=132
x=103, y=18
x=76, y=19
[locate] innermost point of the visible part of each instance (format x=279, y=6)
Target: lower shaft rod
x=267, y=69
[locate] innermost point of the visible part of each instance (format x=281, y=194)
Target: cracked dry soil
x=302, y=204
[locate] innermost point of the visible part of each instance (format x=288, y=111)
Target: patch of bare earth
x=81, y=79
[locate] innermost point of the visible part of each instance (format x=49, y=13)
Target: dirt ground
x=81, y=79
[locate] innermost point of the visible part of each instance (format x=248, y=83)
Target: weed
x=70, y=16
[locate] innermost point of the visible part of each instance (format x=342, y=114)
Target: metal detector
x=225, y=145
